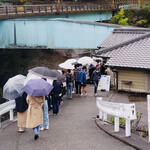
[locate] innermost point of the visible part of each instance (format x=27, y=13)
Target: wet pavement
x=75, y=127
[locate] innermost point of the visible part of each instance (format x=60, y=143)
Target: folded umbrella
x=37, y=87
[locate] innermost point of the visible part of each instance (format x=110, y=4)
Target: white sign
x=104, y=83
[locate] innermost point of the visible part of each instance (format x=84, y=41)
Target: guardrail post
x=11, y=115
x=105, y=117
x=0, y=122
x=116, y=124
x=128, y=128
x=148, y=108
x=100, y=115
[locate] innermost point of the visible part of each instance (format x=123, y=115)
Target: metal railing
x=49, y=8
x=7, y=107
x=118, y=110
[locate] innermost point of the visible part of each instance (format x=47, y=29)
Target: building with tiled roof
x=127, y=52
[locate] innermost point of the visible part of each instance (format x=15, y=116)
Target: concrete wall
x=52, y=34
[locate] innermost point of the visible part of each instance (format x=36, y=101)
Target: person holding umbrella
x=35, y=114
x=36, y=89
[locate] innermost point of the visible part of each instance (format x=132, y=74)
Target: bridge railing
x=7, y=107
x=118, y=110
x=16, y=9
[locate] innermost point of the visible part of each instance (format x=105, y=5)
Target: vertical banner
x=104, y=83
x=148, y=108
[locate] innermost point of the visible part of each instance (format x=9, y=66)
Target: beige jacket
x=35, y=111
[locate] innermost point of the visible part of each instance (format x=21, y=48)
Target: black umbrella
x=45, y=72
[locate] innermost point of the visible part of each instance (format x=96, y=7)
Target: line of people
x=33, y=111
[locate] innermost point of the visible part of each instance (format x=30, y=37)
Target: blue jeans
x=95, y=86
x=69, y=90
x=36, y=130
x=45, y=115
x=55, y=101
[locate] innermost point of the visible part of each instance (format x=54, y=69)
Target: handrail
x=118, y=110
x=7, y=107
x=24, y=9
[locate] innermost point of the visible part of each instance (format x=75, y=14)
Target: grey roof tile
x=122, y=35
x=134, y=53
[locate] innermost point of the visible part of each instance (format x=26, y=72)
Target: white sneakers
x=47, y=127
x=84, y=95
x=42, y=128
x=95, y=94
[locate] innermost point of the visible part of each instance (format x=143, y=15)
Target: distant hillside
x=136, y=17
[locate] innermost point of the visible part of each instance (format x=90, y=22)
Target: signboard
x=104, y=83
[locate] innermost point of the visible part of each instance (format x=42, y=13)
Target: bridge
x=19, y=11
x=52, y=34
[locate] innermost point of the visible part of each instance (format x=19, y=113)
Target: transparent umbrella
x=86, y=60
x=31, y=76
x=45, y=72
x=13, y=87
x=66, y=65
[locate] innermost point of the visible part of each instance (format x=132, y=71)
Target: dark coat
x=21, y=103
x=96, y=75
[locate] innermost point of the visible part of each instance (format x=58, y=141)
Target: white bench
x=118, y=110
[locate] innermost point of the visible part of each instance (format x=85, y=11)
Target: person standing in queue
x=21, y=109
x=82, y=80
x=96, y=75
x=45, y=124
x=69, y=82
x=56, y=97
x=35, y=114
x=76, y=78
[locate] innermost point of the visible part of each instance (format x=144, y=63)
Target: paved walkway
x=73, y=128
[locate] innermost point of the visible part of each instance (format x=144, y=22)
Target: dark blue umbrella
x=37, y=87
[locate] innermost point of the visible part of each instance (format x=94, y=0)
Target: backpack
x=68, y=78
